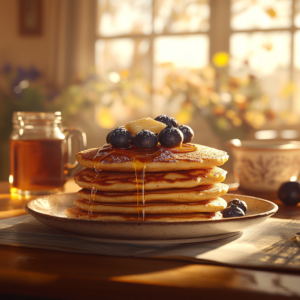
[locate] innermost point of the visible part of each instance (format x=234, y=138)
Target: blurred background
x=227, y=68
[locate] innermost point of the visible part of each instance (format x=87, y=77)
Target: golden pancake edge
x=126, y=181
x=199, y=193
x=213, y=205
x=204, y=157
x=77, y=213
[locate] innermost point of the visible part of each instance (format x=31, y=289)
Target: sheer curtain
x=71, y=30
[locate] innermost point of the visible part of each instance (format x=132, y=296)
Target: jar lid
x=24, y=116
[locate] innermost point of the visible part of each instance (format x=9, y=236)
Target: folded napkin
x=267, y=245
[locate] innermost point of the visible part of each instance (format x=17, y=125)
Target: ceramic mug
x=263, y=165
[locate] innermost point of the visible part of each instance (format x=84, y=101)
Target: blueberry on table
x=188, y=133
x=145, y=139
x=121, y=138
x=233, y=211
x=170, y=137
x=169, y=121
x=239, y=203
x=289, y=193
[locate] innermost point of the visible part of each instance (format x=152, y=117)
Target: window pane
x=181, y=16
x=265, y=55
x=173, y=55
x=297, y=70
x=124, y=87
x=124, y=17
x=260, y=14
x=183, y=51
x=297, y=13
x=123, y=54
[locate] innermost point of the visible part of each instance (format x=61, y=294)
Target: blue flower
x=21, y=75
x=52, y=95
x=33, y=73
x=6, y=68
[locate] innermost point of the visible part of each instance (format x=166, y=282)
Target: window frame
x=219, y=34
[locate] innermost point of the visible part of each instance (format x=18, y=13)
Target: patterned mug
x=263, y=165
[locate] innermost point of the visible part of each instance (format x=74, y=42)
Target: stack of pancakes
x=184, y=186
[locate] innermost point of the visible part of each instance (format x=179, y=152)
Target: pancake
x=108, y=159
x=199, y=193
x=76, y=212
x=121, y=181
x=153, y=208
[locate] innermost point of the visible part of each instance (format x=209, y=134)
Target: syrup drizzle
x=93, y=194
x=141, y=158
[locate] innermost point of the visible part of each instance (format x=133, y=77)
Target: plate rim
x=166, y=242
x=160, y=223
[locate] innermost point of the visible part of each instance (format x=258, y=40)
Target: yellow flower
x=202, y=102
x=215, y=98
x=134, y=101
x=184, y=116
x=105, y=119
x=124, y=73
x=271, y=12
x=221, y=59
x=239, y=98
x=209, y=73
x=255, y=118
x=288, y=90
x=219, y=110
x=230, y=114
x=166, y=64
x=237, y=122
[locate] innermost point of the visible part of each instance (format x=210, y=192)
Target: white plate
x=50, y=211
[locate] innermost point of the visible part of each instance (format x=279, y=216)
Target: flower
x=232, y=106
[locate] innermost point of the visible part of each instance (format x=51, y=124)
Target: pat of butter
x=146, y=123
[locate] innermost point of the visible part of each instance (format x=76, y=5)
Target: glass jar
x=39, y=152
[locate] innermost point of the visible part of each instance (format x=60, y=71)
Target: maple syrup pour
x=141, y=158
x=93, y=193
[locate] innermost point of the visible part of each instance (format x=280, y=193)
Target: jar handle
x=70, y=133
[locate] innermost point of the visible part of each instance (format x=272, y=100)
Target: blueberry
x=289, y=193
x=188, y=133
x=170, y=137
x=169, y=121
x=239, y=203
x=121, y=138
x=108, y=136
x=232, y=211
x=145, y=139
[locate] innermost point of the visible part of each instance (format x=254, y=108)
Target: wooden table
x=38, y=274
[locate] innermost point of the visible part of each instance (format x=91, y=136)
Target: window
x=262, y=37
x=264, y=40
x=140, y=36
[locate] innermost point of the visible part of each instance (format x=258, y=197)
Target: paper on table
x=267, y=245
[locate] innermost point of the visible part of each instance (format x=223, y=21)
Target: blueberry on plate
x=169, y=121
x=170, y=137
x=121, y=138
x=289, y=193
x=232, y=211
x=188, y=133
x=239, y=203
x=145, y=139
